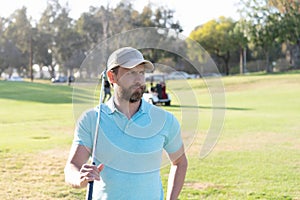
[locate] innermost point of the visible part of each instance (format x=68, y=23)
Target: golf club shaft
x=89, y=194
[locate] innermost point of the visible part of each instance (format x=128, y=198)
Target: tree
x=90, y=27
x=10, y=57
x=46, y=29
x=18, y=34
x=67, y=40
x=216, y=37
x=161, y=17
x=239, y=37
x=2, y=41
x=42, y=49
x=60, y=38
x=290, y=27
x=263, y=26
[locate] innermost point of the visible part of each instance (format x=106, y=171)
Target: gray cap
x=127, y=57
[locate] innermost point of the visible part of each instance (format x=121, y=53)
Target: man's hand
x=89, y=173
x=177, y=173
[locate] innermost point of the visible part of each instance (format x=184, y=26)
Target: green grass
x=257, y=155
x=34, y=116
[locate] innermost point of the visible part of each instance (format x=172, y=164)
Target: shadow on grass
x=35, y=92
x=288, y=72
x=209, y=107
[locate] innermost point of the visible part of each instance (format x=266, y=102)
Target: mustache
x=141, y=86
x=137, y=95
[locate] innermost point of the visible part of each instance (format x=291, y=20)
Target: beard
x=132, y=94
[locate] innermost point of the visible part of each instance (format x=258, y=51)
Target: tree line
x=267, y=36
x=57, y=39
x=267, y=33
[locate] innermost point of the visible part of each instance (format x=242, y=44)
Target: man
x=131, y=137
x=107, y=92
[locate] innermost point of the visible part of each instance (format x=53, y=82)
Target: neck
x=127, y=108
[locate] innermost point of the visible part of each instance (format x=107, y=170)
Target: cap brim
x=135, y=62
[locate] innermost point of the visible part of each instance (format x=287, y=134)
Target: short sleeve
x=85, y=128
x=173, y=140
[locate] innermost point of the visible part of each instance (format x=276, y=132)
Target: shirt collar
x=112, y=108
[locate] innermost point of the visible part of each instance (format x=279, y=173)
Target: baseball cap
x=127, y=57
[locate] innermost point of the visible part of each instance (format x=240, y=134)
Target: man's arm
x=77, y=172
x=177, y=174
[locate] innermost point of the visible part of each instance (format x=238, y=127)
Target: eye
x=133, y=72
x=142, y=72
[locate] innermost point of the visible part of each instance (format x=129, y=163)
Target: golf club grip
x=89, y=192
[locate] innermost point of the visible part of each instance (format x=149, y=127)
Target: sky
x=189, y=13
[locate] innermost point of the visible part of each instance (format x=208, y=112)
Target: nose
x=139, y=78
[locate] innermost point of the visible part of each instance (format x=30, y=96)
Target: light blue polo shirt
x=130, y=149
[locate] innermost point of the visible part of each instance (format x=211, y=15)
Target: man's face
x=131, y=83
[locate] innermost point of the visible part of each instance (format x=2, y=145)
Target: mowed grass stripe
x=257, y=155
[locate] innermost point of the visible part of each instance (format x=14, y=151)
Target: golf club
x=89, y=193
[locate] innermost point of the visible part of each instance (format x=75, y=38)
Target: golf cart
x=156, y=94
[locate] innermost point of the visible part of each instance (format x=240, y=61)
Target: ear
x=111, y=77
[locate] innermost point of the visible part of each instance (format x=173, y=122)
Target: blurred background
x=50, y=39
